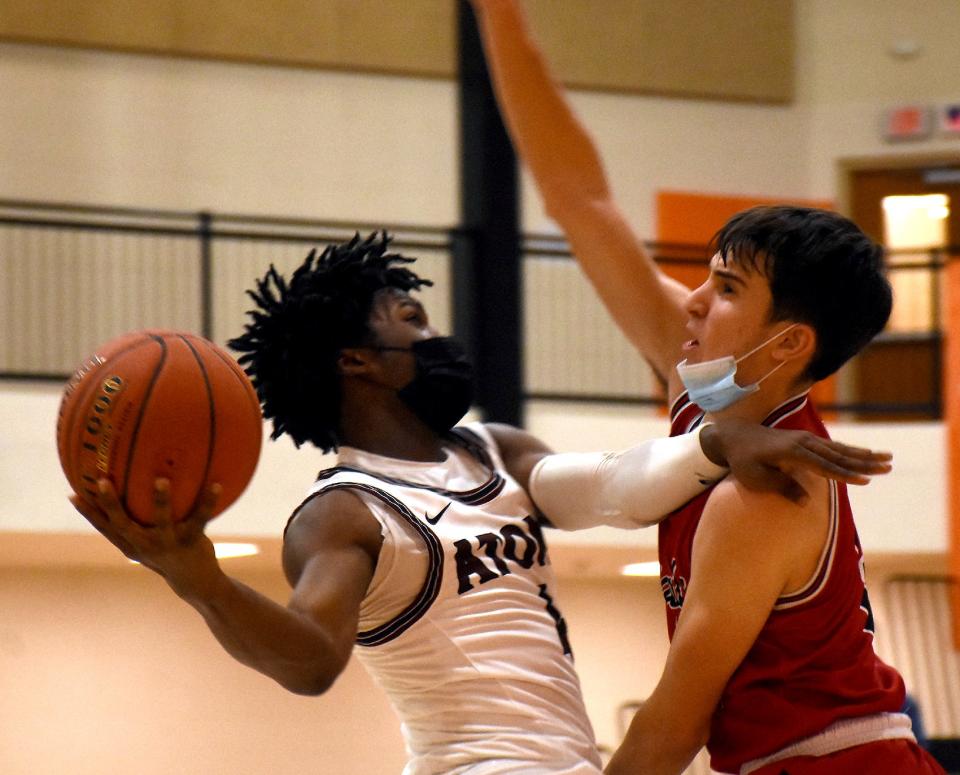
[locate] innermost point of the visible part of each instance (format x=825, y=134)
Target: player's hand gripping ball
x=158, y=403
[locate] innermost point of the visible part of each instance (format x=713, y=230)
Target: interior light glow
x=904, y=204
x=226, y=550
x=649, y=569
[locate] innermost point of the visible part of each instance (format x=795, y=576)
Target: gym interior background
x=156, y=157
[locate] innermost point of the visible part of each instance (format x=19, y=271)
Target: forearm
x=652, y=747
x=570, y=176
x=554, y=145
x=281, y=643
x=634, y=488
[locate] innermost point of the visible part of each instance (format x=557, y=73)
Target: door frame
x=847, y=166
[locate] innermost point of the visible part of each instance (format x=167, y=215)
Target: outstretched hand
x=179, y=551
x=766, y=459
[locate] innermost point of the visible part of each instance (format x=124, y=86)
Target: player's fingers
x=162, y=508
x=110, y=504
x=857, y=453
x=822, y=465
x=207, y=505
x=855, y=459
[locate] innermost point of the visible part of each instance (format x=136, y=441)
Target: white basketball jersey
x=459, y=625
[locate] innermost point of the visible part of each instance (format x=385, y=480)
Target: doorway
x=913, y=209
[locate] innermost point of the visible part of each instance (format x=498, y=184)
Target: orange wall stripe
x=692, y=218
x=951, y=419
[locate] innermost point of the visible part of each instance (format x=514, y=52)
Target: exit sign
x=908, y=122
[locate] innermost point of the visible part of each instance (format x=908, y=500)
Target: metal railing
x=72, y=276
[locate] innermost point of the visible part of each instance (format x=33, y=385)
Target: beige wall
x=846, y=76
x=120, y=129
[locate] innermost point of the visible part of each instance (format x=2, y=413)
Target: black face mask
x=441, y=392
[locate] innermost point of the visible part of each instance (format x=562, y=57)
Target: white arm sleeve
x=634, y=488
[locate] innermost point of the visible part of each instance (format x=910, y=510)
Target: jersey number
x=558, y=620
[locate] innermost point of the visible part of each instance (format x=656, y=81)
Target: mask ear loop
x=764, y=344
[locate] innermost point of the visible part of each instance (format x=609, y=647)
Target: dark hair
x=294, y=337
x=823, y=271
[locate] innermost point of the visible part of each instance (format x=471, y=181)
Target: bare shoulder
x=329, y=521
x=767, y=527
x=734, y=504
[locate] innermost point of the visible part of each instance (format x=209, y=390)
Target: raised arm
x=645, y=303
x=329, y=556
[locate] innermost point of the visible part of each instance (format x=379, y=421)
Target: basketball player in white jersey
x=420, y=551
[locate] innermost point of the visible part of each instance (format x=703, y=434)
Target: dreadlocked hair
x=291, y=344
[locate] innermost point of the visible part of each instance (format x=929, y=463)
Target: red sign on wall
x=909, y=122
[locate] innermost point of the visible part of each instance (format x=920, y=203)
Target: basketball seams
x=241, y=376
x=212, y=435
x=73, y=422
x=70, y=405
x=132, y=449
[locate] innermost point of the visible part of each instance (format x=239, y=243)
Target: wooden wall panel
x=734, y=50
x=414, y=37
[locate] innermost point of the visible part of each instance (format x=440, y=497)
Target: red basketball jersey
x=813, y=662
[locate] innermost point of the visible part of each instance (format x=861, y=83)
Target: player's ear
x=797, y=342
x=354, y=361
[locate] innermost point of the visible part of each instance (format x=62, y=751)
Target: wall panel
x=735, y=50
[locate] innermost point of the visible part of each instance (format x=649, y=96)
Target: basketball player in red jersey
x=771, y=663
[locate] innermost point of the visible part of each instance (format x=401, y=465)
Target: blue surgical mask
x=712, y=385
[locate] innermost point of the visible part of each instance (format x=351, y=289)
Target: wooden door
x=899, y=375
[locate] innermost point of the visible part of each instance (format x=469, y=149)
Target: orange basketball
x=154, y=404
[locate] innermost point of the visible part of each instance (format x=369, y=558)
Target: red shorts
x=883, y=757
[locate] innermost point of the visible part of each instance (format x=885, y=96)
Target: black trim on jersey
x=431, y=585
x=465, y=438
x=787, y=408
x=681, y=404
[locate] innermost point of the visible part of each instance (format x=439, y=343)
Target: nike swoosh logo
x=434, y=520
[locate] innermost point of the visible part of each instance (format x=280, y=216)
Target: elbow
x=307, y=686
x=310, y=682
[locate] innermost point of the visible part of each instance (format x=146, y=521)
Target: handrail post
x=205, y=232
x=486, y=250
